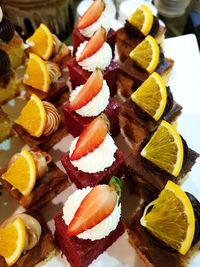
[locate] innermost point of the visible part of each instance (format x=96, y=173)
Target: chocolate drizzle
x=6, y=30
x=155, y=27
x=169, y=103
x=4, y=63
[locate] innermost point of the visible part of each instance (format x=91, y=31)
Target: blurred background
x=179, y=16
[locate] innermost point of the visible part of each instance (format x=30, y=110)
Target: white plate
x=184, y=84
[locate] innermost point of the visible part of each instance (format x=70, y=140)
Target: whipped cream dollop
x=102, y=21
x=100, y=230
x=99, y=159
x=101, y=59
x=95, y=106
x=1, y=14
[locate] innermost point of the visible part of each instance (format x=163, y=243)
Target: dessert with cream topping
x=26, y=240
x=32, y=178
x=90, y=55
x=90, y=22
x=89, y=223
x=42, y=129
x=88, y=101
x=93, y=157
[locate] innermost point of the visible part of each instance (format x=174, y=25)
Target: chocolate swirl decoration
x=54, y=71
x=4, y=63
x=53, y=118
x=6, y=30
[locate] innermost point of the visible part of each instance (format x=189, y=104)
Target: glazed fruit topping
x=94, y=44
x=91, y=137
x=92, y=14
x=91, y=88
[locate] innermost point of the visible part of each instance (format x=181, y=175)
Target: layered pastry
x=137, y=26
x=89, y=223
x=171, y=238
x=90, y=22
x=90, y=55
x=33, y=179
x=146, y=58
x=165, y=156
x=39, y=124
x=93, y=157
x=88, y=101
x=5, y=126
x=141, y=114
x=48, y=58
x=11, y=42
x=26, y=240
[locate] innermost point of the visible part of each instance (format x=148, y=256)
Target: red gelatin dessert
x=93, y=157
x=83, y=243
x=87, y=102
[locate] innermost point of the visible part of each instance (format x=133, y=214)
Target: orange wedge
x=33, y=117
x=41, y=42
x=37, y=74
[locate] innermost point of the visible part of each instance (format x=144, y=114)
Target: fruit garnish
x=151, y=96
x=41, y=42
x=90, y=89
x=95, y=207
x=146, y=54
x=91, y=137
x=172, y=218
x=22, y=173
x=165, y=149
x=142, y=19
x=94, y=44
x=12, y=241
x=37, y=74
x=33, y=116
x=92, y=14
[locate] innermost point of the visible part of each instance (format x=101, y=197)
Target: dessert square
x=80, y=253
x=76, y=123
x=79, y=76
x=83, y=179
x=46, y=188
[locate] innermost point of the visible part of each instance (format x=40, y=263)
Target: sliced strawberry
x=94, y=44
x=91, y=137
x=92, y=14
x=91, y=88
x=94, y=208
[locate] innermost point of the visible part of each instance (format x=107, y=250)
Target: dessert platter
x=99, y=145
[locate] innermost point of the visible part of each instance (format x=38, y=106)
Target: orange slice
x=33, y=117
x=37, y=74
x=41, y=42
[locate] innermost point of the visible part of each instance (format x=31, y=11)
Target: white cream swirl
x=99, y=159
x=1, y=14
x=102, y=21
x=100, y=230
x=101, y=59
x=96, y=105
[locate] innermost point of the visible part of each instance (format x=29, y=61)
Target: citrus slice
x=165, y=149
x=22, y=173
x=172, y=218
x=33, y=116
x=41, y=42
x=142, y=19
x=151, y=96
x=146, y=54
x=37, y=74
x=12, y=241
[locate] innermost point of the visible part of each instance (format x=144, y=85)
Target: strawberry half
x=92, y=14
x=94, y=208
x=94, y=44
x=91, y=137
x=90, y=89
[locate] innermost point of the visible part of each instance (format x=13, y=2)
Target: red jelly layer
x=79, y=76
x=78, y=38
x=79, y=252
x=76, y=123
x=83, y=179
